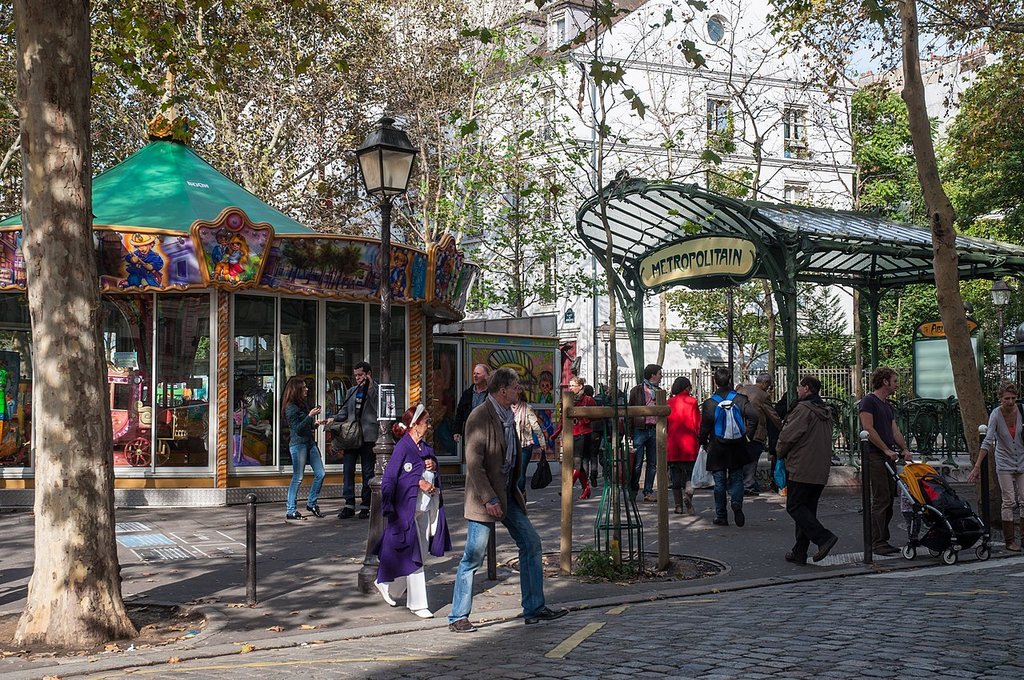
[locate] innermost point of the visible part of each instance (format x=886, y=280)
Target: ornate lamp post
x=1001, y=298
x=385, y=162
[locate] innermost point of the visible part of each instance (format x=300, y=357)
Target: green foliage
x=882, y=151
x=598, y=565
x=985, y=155
x=733, y=183
x=823, y=338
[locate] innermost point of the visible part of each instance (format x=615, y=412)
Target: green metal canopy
x=167, y=186
x=792, y=243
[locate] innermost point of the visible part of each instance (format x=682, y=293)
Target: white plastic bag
x=701, y=478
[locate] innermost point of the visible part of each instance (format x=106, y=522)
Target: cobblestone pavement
x=938, y=622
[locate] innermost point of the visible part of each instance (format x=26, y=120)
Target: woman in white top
x=1005, y=431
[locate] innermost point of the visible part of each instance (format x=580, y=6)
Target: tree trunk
x=74, y=596
x=941, y=218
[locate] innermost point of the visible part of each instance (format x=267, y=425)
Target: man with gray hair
x=758, y=396
x=493, y=454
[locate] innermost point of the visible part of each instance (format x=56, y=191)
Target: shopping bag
x=701, y=478
x=542, y=475
x=780, y=474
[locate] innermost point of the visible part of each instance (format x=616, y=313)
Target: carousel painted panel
x=141, y=261
x=233, y=249
x=12, y=261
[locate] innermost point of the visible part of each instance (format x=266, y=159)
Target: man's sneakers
x=796, y=559
x=461, y=626
x=346, y=512
x=545, y=614
x=737, y=512
x=720, y=521
x=825, y=548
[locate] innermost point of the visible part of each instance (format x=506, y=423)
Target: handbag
x=350, y=434
x=542, y=475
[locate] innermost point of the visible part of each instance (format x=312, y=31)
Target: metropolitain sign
x=699, y=258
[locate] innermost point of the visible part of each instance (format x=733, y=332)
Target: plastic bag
x=701, y=478
x=780, y=474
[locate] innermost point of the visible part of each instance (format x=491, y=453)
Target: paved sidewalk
x=307, y=571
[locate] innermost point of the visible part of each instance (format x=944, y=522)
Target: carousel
x=212, y=300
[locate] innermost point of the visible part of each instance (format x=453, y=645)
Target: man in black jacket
x=726, y=458
x=473, y=396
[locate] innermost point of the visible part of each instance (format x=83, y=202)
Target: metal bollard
x=250, y=550
x=865, y=495
x=985, y=513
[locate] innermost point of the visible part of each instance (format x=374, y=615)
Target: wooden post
x=661, y=435
x=565, y=542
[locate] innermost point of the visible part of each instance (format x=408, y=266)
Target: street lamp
x=1001, y=298
x=385, y=162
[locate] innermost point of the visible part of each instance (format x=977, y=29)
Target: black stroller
x=948, y=523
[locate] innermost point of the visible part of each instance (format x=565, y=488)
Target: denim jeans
x=531, y=575
x=735, y=489
x=364, y=455
x=645, y=443
x=527, y=455
x=301, y=454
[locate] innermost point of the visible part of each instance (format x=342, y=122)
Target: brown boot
x=677, y=495
x=1008, y=535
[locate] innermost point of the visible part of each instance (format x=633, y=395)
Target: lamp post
x=1001, y=298
x=604, y=330
x=730, y=313
x=385, y=162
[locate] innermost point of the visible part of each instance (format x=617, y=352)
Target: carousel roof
x=168, y=186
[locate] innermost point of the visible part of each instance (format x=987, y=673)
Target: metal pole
x=865, y=494
x=385, y=444
x=661, y=435
x=1002, y=348
x=729, y=329
x=986, y=515
x=565, y=535
x=250, y=550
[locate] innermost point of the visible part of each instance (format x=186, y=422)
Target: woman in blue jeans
x=301, y=445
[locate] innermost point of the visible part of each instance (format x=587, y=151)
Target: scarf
x=508, y=422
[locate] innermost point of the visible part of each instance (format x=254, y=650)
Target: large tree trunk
x=941, y=218
x=74, y=596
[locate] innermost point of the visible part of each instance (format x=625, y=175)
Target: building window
x=720, y=125
x=557, y=27
x=716, y=29
x=795, y=193
x=546, y=99
x=794, y=131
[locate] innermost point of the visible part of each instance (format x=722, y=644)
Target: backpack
x=729, y=425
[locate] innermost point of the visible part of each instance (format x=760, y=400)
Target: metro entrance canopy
x=665, y=234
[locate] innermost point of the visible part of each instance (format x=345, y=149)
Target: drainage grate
x=125, y=527
x=162, y=554
x=137, y=540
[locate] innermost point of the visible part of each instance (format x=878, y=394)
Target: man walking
x=885, y=441
x=472, y=396
x=644, y=440
x=805, y=444
x=361, y=405
x=492, y=457
x=723, y=426
x=758, y=395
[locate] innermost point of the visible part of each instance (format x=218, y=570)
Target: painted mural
x=138, y=261
x=233, y=248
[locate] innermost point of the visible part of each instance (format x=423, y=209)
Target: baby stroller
x=948, y=523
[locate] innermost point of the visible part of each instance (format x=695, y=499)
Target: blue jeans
x=531, y=575
x=645, y=443
x=300, y=453
x=735, y=487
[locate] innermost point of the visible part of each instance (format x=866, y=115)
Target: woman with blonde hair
x=1006, y=436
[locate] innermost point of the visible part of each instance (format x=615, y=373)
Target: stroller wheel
x=983, y=552
x=933, y=553
x=909, y=552
x=949, y=556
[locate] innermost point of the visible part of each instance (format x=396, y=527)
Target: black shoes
x=721, y=521
x=364, y=514
x=825, y=548
x=315, y=509
x=462, y=626
x=737, y=512
x=545, y=614
x=796, y=559
x=346, y=512
x=886, y=549
x=294, y=515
